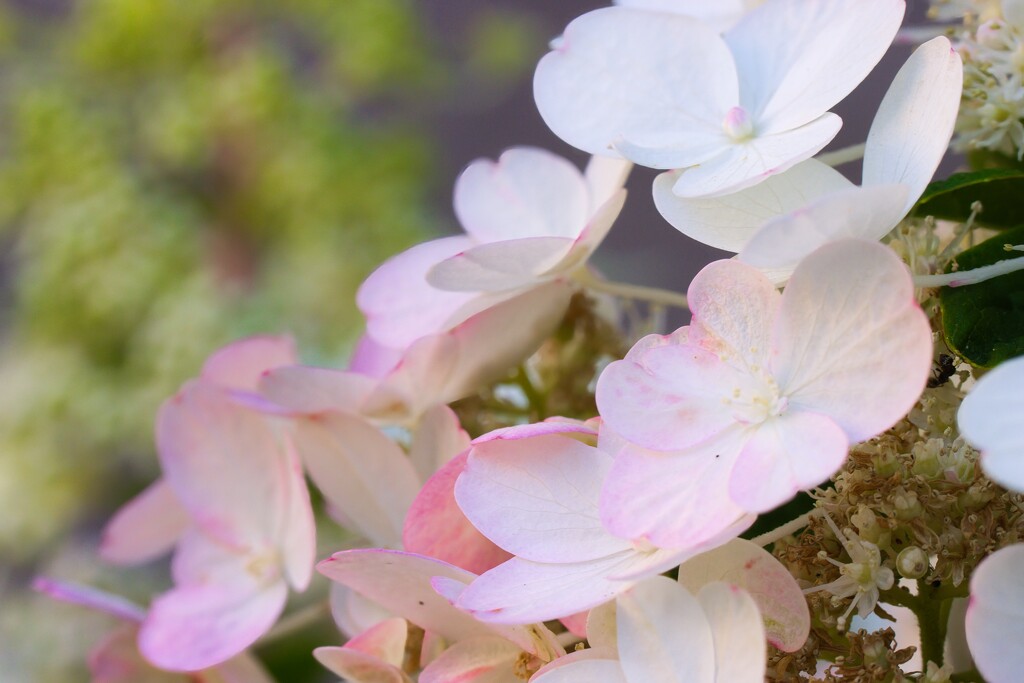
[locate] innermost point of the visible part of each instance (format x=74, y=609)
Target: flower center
x=737, y=125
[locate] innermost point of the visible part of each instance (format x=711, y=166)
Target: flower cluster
x=588, y=525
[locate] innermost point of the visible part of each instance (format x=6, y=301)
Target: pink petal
x=792, y=452
x=358, y=667
x=537, y=498
x=528, y=192
x=385, y=641
x=438, y=438
x=995, y=616
x=477, y=660
x=305, y=389
x=436, y=527
x=373, y=359
x=196, y=627
x=499, y=266
x=850, y=339
x=239, y=365
x=744, y=564
x=145, y=528
x=93, y=598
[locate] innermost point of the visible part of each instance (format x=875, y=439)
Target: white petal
x=662, y=81
x=356, y=666
x=146, y=527
x=605, y=176
x=750, y=567
x=738, y=633
x=528, y=192
x=728, y=221
x=498, y=266
x=537, y=498
x=796, y=60
x=720, y=14
x=581, y=667
x=989, y=419
x=438, y=438
x=850, y=339
x=995, y=616
x=867, y=213
x=743, y=165
x=664, y=636
x=911, y=131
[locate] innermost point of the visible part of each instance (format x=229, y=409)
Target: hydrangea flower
x=989, y=419
x=767, y=391
x=668, y=91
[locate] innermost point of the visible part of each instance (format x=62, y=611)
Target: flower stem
x=637, y=292
x=974, y=276
x=786, y=529
x=842, y=156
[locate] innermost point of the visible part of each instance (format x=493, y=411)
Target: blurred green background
x=175, y=175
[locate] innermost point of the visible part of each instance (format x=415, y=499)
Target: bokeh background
x=175, y=175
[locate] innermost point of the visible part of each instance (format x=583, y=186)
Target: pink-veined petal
x=239, y=365
x=674, y=500
x=911, y=131
x=782, y=604
x=306, y=389
x=399, y=305
x=537, y=498
x=729, y=221
x=786, y=454
x=437, y=527
x=867, y=213
x=850, y=340
x=795, y=60
x=438, y=438
x=989, y=419
x=995, y=616
x=360, y=471
x=145, y=528
x=356, y=666
x=736, y=627
x=477, y=660
x=661, y=81
x=668, y=398
x=663, y=635
x=195, y=627
x=744, y=164
x=400, y=582
x=528, y=192
x=499, y=266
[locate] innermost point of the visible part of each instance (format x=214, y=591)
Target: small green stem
x=842, y=156
x=637, y=292
x=927, y=606
x=537, y=400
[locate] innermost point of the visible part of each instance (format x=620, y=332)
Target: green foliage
x=984, y=323
x=998, y=190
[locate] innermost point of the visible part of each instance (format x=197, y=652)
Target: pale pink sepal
x=144, y=528
x=355, y=666
x=239, y=365
x=742, y=563
x=436, y=440
x=486, y=659
x=437, y=527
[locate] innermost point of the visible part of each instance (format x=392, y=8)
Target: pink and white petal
x=721, y=14
x=605, y=177
x=736, y=627
x=353, y=613
x=399, y=306
x=437, y=439
x=674, y=500
x=196, y=627
x=795, y=61
x=601, y=630
x=400, y=583
x=733, y=307
x=116, y=659
x=867, y=213
x=360, y=471
x=995, y=615
x=528, y=192
x=585, y=666
x=786, y=454
x=576, y=624
x=911, y=131
x=437, y=527
x=296, y=536
x=201, y=558
x=244, y=668
x=373, y=359
x=239, y=365
x=487, y=659
x=619, y=73
x=594, y=233
x=663, y=635
x=145, y=527
x=850, y=341
x=385, y=641
x=729, y=221
x=500, y=266
x=90, y=597
x=787, y=621
x=358, y=667
x=537, y=498
x=744, y=164
x=417, y=382
x=306, y=389
x=524, y=592
x=577, y=429
x=225, y=463
x=669, y=398
x=647, y=563
x=989, y=419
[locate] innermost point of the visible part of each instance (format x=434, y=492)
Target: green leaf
x=998, y=189
x=984, y=323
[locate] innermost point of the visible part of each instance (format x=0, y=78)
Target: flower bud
x=912, y=563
